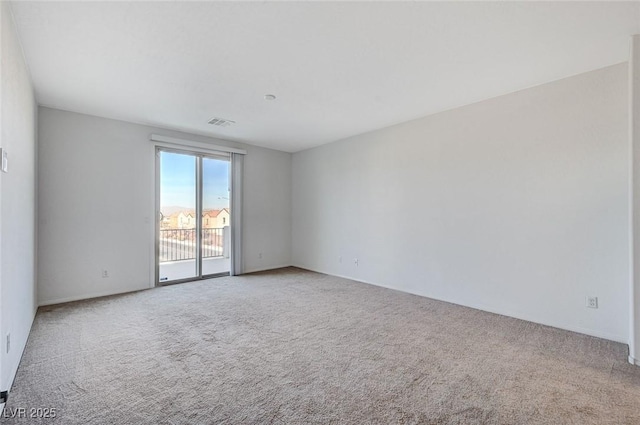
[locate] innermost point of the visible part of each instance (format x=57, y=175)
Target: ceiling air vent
x=221, y=122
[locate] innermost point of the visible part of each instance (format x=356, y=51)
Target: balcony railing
x=180, y=244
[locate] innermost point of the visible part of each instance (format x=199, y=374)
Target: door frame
x=199, y=155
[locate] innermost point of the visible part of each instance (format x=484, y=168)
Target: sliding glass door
x=216, y=216
x=194, y=228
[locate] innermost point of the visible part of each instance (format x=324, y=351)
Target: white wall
x=17, y=205
x=267, y=209
x=96, y=199
x=516, y=205
x=634, y=195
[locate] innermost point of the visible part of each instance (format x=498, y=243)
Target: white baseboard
x=634, y=361
x=14, y=370
x=88, y=296
x=509, y=313
x=264, y=269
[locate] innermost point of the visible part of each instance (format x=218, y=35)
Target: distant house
x=186, y=219
x=182, y=220
x=212, y=219
x=165, y=221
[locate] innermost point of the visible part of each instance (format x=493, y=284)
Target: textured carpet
x=295, y=347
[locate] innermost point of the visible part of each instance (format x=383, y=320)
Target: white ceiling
x=337, y=69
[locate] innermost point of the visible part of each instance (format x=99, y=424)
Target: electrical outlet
x=105, y=273
x=355, y=261
x=8, y=342
x=592, y=302
x=260, y=255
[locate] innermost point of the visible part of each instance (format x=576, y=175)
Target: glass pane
x=177, y=237
x=216, y=216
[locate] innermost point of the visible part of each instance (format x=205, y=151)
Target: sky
x=178, y=181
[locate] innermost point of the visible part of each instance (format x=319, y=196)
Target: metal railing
x=180, y=244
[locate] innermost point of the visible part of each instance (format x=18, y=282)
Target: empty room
x=319, y=212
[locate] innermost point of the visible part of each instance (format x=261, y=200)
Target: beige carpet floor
x=296, y=347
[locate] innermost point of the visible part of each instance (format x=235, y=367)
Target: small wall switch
x=592, y=302
x=5, y=160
